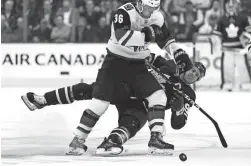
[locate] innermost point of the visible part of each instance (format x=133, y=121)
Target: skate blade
x=156, y=151
x=31, y=106
x=76, y=152
x=109, y=152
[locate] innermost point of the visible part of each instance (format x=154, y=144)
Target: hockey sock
x=156, y=116
x=60, y=96
x=119, y=135
x=87, y=122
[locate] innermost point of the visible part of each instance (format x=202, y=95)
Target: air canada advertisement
x=84, y=60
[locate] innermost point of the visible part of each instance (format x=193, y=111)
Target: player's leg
x=132, y=117
x=227, y=70
x=243, y=65
x=108, y=76
x=65, y=95
x=146, y=86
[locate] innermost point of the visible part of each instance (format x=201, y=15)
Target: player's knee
x=98, y=106
x=132, y=123
x=178, y=122
x=157, y=98
x=82, y=91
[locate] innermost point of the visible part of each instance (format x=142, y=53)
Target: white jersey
x=131, y=44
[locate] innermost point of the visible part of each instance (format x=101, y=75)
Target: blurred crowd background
x=88, y=21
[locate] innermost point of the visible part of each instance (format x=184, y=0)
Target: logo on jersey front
x=232, y=31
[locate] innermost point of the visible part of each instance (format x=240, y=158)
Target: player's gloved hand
x=149, y=33
x=177, y=103
x=183, y=61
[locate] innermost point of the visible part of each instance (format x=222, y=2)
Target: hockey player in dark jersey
x=231, y=28
x=133, y=27
x=132, y=113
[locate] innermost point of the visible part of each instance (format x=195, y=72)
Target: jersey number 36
x=118, y=18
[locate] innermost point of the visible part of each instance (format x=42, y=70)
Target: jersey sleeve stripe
x=128, y=38
x=124, y=37
x=168, y=43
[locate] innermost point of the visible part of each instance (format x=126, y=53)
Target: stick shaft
x=192, y=102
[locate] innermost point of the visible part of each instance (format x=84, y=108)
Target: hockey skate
x=108, y=147
x=77, y=146
x=33, y=101
x=157, y=146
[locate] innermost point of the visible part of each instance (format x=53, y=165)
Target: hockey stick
x=222, y=139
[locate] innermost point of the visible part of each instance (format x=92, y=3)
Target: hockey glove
x=149, y=33
x=177, y=103
x=183, y=61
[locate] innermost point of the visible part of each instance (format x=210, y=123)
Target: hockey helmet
x=201, y=68
x=147, y=7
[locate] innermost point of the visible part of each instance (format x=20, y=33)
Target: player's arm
x=166, y=41
x=180, y=108
x=122, y=29
x=159, y=61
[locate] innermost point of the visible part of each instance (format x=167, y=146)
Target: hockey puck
x=183, y=157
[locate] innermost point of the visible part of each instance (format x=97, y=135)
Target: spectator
x=115, y=5
x=208, y=27
x=45, y=13
x=166, y=4
x=85, y=32
x=214, y=11
x=17, y=34
x=9, y=15
x=177, y=6
x=191, y=13
x=91, y=15
x=67, y=12
x=42, y=33
x=202, y=4
x=61, y=32
x=5, y=31
x=102, y=31
x=192, y=20
x=109, y=12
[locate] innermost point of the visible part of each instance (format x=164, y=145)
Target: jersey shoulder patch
x=128, y=6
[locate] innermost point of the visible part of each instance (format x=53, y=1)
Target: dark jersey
x=230, y=29
x=168, y=68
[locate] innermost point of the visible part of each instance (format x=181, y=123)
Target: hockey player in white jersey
x=133, y=27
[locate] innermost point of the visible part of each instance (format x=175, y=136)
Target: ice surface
x=42, y=137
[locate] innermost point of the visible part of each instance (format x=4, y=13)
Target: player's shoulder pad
x=157, y=18
x=128, y=6
x=121, y=19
